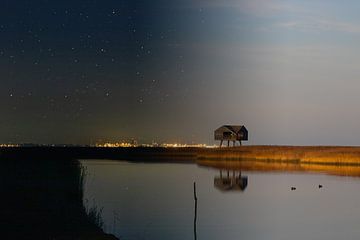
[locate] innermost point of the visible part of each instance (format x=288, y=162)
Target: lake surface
x=156, y=201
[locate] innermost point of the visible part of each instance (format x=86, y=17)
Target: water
x=155, y=201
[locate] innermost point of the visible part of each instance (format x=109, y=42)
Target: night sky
x=86, y=71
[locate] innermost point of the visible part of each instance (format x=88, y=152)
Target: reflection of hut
x=231, y=182
x=231, y=133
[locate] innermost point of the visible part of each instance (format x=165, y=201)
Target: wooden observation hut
x=231, y=133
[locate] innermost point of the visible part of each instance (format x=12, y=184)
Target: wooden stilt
x=228, y=143
x=221, y=141
x=195, y=212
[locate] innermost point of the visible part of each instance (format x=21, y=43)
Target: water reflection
x=230, y=180
x=268, y=209
x=352, y=170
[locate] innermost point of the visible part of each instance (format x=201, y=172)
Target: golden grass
x=301, y=154
x=268, y=166
x=343, y=161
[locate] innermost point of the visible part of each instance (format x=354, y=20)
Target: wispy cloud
x=289, y=15
x=253, y=7
x=314, y=24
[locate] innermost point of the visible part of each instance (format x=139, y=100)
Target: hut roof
x=232, y=128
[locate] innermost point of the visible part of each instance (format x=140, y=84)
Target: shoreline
x=276, y=166
x=334, y=155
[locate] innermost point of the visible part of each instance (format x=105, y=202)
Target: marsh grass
x=94, y=214
x=276, y=166
x=293, y=154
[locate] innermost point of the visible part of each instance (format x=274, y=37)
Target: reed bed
x=301, y=154
x=276, y=166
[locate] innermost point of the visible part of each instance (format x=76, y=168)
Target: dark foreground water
x=156, y=201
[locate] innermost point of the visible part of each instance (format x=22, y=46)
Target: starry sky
x=79, y=72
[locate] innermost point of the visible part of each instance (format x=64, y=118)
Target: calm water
x=155, y=201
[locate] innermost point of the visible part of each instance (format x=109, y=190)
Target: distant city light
x=9, y=145
x=113, y=145
x=122, y=144
x=164, y=145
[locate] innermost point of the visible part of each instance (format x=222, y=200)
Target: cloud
x=253, y=7
x=323, y=25
x=290, y=15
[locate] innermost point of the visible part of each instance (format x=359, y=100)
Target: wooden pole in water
x=195, y=215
